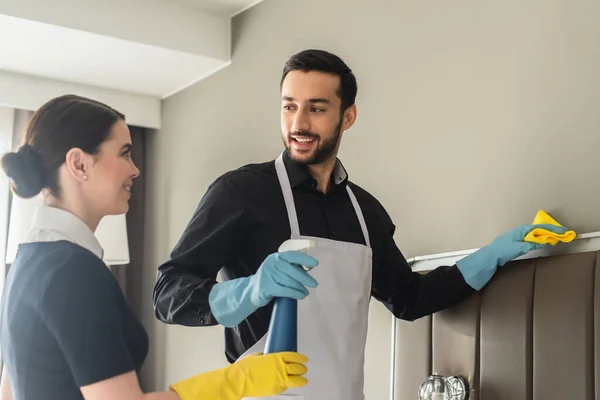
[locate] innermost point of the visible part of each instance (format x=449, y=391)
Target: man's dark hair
x=323, y=61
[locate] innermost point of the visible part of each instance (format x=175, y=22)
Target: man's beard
x=323, y=152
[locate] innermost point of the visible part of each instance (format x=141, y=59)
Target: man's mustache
x=305, y=134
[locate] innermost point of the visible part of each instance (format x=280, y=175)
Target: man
x=248, y=213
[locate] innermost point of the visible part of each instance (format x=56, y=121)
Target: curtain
x=130, y=276
x=21, y=118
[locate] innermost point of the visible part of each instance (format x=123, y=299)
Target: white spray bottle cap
x=297, y=245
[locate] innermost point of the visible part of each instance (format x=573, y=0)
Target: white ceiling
x=89, y=58
x=219, y=7
x=179, y=43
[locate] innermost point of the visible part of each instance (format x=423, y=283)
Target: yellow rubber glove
x=543, y=236
x=254, y=376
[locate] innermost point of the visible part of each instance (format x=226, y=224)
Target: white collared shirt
x=51, y=224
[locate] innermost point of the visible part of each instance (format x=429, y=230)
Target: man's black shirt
x=242, y=219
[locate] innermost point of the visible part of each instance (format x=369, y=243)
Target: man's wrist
x=230, y=301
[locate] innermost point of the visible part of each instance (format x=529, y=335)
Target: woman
x=67, y=332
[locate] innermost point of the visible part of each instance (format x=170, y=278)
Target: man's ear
x=349, y=117
x=78, y=164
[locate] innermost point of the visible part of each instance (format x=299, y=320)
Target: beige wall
x=472, y=116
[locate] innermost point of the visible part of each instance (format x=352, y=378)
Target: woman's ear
x=78, y=164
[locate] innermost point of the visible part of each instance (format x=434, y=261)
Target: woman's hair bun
x=25, y=170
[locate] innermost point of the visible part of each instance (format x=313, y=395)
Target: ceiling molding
x=29, y=93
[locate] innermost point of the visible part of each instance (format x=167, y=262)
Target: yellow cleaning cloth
x=543, y=236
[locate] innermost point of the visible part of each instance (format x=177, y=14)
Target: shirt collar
x=51, y=224
x=298, y=173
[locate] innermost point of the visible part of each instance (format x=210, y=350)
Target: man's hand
x=280, y=275
x=479, y=267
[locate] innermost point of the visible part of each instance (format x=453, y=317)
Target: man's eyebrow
x=319, y=100
x=312, y=101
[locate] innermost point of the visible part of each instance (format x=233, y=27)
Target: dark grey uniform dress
x=64, y=320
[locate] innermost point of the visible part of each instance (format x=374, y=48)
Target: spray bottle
x=283, y=328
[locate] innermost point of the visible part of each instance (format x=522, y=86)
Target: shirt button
x=201, y=320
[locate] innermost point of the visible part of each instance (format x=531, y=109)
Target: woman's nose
x=136, y=171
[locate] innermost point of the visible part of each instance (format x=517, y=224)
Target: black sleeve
x=82, y=311
x=207, y=243
x=411, y=295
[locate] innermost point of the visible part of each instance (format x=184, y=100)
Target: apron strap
x=286, y=188
x=359, y=214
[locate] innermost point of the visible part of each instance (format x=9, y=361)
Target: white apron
x=332, y=319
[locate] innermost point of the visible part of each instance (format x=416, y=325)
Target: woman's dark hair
x=323, y=61
x=61, y=124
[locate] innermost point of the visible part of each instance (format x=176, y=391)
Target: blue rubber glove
x=479, y=267
x=280, y=275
